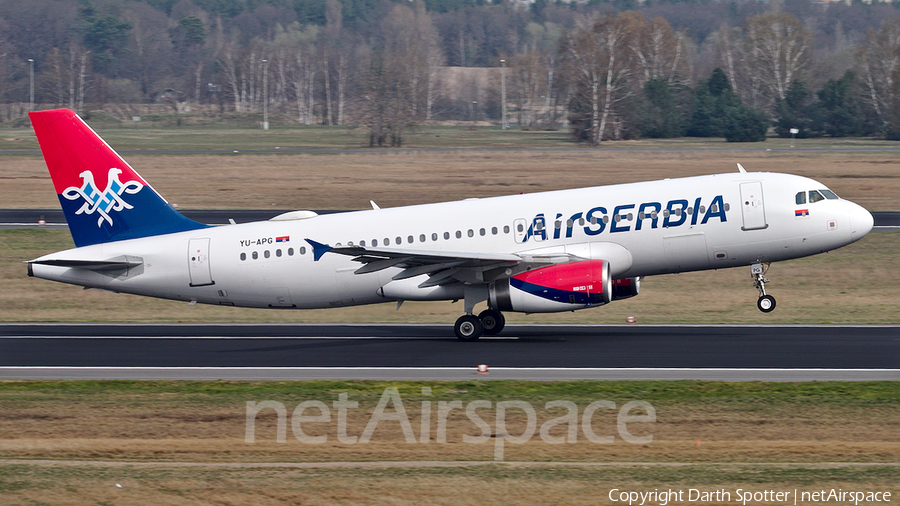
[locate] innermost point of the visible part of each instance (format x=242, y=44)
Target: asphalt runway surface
x=431, y=352
x=885, y=221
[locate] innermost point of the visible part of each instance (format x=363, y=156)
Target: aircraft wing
x=442, y=267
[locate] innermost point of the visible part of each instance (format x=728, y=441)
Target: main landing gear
x=765, y=303
x=469, y=327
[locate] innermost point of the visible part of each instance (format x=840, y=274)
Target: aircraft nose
x=861, y=222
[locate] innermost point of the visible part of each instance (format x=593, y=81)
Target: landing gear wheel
x=766, y=303
x=468, y=328
x=492, y=321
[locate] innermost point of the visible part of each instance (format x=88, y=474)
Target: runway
x=431, y=352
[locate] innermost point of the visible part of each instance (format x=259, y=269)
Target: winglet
x=374, y=205
x=319, y=249
x=741, y=168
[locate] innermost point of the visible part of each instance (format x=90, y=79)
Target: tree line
x=606, y=70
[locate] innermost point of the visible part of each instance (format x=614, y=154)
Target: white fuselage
x=734, y=220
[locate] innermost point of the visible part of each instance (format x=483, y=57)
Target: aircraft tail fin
x=104, y=199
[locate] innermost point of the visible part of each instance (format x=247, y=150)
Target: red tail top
x=71, y=147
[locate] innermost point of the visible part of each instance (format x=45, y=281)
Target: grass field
x=348, y=180
x=158, y=136
x=71, y=442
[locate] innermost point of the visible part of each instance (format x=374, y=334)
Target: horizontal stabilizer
x=113, y=264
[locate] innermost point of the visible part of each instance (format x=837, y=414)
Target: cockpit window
x=801, y=198
x=829, y=194
x=815, y=196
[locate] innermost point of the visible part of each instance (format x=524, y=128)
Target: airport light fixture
x=31, y=85
x=265, y=94
x=504, y=124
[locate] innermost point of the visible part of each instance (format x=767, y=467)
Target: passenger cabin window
x=800, y=198
x=815, y=196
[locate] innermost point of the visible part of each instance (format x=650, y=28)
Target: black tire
x=468, y=328
x=492, y=321
x=766, y=303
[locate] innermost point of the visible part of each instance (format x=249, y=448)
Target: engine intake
x=625, y=288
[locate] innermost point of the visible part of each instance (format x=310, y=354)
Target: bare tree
x=729, y=53
x=67, y=76
x=229, y=62
x=780, y=49
x=659, y=52
x=878, y=59
x=596, y=61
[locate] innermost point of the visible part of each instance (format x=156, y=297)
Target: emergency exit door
x=752, y=206
x=198, y=262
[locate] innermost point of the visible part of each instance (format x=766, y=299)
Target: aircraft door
x=520, y=230
x=754, y=211
x=198, y=262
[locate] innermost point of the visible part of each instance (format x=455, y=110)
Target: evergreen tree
x=745, y=124
x=718, y=112
x=795, y=111
x=839, y=113
x=658, y=112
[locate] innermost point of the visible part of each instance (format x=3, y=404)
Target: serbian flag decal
x=801, y=213
x=284, y=238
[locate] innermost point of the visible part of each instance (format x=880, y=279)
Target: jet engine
x=625, y=288
x=563, y=287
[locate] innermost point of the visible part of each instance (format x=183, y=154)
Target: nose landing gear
x=765, y=303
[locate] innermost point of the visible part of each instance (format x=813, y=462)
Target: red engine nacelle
x=563, y=287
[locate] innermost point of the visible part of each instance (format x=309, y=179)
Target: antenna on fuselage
x=741, y=168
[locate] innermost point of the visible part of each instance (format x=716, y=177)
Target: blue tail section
x=104, y=199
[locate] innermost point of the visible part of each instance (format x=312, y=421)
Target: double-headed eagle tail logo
x=102, y=202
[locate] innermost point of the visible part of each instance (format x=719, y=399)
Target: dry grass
x=349, y=181
x=696, y=422
x=499, y=484
x=789, y=441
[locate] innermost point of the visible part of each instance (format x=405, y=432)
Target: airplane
x=534, y=253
